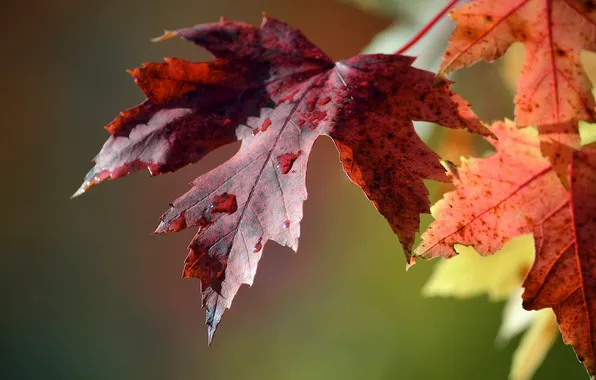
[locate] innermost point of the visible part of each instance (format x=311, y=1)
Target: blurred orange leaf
x=554, y=92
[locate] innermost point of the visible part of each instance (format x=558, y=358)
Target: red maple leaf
x=567, y=281
x=516, y=191
x=554, y=91
x=277, y=92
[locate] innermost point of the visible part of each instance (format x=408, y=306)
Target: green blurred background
x=89, y=293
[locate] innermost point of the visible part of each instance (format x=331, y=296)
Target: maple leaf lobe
x=489, y=192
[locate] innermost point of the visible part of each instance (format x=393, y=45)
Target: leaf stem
x=427, y=27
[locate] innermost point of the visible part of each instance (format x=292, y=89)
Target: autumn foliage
x=277, y=92
x=553, y=90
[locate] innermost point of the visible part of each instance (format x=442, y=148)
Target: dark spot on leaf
x=224, y=203
x=286, y=161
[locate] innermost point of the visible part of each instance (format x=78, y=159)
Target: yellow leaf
x=587, y=132
x=534, y=345
x=500, y=276
x=515, y=318
x=541, y=333
x=470, y=274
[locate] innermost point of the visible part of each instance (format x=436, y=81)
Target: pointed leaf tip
x=79, y=191
x=410, y=262
x=210, y=333
x=167, y=34
x=211, y=320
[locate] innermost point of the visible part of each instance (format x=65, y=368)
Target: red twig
x=427, y=27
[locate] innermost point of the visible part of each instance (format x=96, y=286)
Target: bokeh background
x=89, y=293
